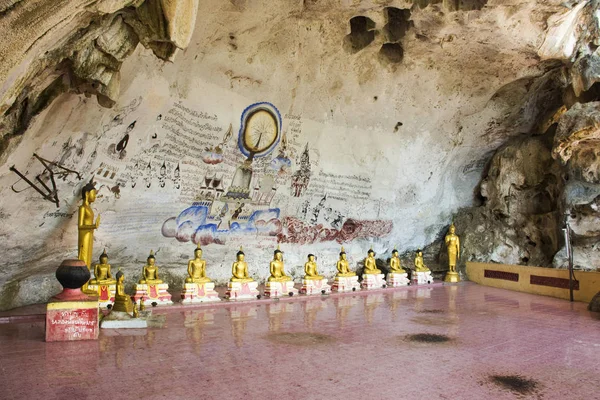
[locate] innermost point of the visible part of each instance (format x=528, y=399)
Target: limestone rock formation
x=50, y=47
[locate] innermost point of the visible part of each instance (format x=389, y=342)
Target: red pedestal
x=71, y=316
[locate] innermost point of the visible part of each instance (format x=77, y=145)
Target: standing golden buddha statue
x=453, y=245
x=86, y=227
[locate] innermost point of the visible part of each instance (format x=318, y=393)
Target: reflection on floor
x=447, y=342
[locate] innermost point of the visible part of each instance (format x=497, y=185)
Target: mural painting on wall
x=242, y=206
x=228, y=186
x=235, y=193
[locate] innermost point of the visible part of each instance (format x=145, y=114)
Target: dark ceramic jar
x=72, y=274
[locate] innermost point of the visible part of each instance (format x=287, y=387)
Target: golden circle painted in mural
x=261, y=131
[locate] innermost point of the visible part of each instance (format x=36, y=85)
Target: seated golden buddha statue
x=342, y=266
x=122, y=300
x=371, y=264
x=395, y=266
x=310, y=268
x=239, y=269
x=276, y=268
x=150, y=271
x=419, y=265
x=102, y=275
x=197, y=268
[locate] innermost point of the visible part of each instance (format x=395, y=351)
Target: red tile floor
x=351, y=346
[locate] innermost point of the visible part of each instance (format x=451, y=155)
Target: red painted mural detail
x=297, y=231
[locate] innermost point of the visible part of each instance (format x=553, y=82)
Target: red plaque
x=71, y=320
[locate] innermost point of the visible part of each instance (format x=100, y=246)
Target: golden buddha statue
x=310, y=268
x=150, y=271
x=277, y=269
x=342, y=266
x=102, y=275
x=239, y=269
x=86, y=227
x=395, y=266
x=371, y=264
x=197, y=268
x=419, y=265
x=453, y=245
x=122, y=300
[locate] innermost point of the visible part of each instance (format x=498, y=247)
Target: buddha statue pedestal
x=315, y=286
x=452, y=277
x=280, y=289
x=422, y=277
x=106, y=293
x=71, y=314
x=152, y=293
x=199, y=293
x=123, y=320
x=345, y=284
x=242, y=291
x=373, y=281
x=396, y=279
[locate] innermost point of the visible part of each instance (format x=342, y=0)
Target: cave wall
x=387, y=114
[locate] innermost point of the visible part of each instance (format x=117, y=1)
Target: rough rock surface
x=394, y=118
x=53, y=46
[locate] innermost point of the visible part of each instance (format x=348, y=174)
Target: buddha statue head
x=452, y=228
x=240, y=254
x=419, y=253
x=198, y=251
x=278, y=254
x=311, y=257
x=88, y=192
x=371, y=253
x=342, y=254
x=395, y=252
x=103, y=257
x=120, y=276
x=151, y=260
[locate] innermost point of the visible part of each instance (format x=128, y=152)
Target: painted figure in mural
x=310, y=268
x=395, y=266
x=123, y=301
x=419, y=265
x=102, y=275
x=371, y=264
x=239, y=269
x=86, y=226
x=277, y=269
x=342, y=265
x=197, y=268
x=453, y=245
x=150, y=271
